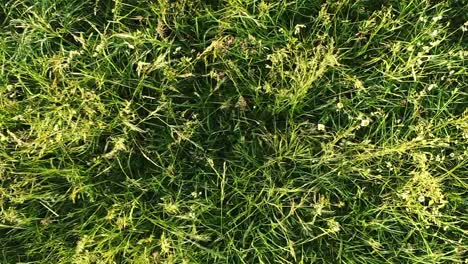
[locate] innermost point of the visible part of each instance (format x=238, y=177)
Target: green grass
x=233, y=131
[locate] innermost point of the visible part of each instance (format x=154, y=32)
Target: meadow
x=233, y=131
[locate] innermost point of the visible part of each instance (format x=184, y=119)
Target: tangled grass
x=233, y=131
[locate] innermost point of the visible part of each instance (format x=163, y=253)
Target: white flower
x=435, y=43
x=465, y=26
x=437, y=18
x=431, y=86
x=195, y=194
x=405, y=195
x=421, y=198
x=365, y=122
x=177, y=50
x=434, y=33
x=321, y=127
x=297, y=28
x=339, y=105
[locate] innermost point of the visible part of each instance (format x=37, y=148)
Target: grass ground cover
x=233, y=131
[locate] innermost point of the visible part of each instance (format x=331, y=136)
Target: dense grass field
x=233, y=131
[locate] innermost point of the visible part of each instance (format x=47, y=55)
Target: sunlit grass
x=236, y=131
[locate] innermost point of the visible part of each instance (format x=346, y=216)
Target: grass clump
x=234, y=131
